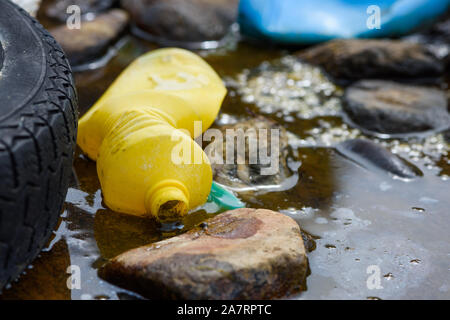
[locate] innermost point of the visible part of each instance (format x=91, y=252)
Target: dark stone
x=58, y=9
x=355, y=59
x=183, y=20
x=393, y=108
x=370, y=154
x=241, y=172
x=93, y=39
x=308, y=240
x=243, y=254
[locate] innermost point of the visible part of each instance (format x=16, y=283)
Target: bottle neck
x=167, y=201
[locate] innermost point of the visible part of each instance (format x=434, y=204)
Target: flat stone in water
x=309, y=240
x=93, y=39
x=354, y=59
x=241, y=254
x=183, y=20
x=370, y=154
x=394, y=108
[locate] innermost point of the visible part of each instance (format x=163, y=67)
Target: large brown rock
x=93, y=39
x=394, y=108
x=239, y=254
x=354, y=59
x=183, y=20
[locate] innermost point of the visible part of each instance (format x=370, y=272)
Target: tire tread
x=36, y=152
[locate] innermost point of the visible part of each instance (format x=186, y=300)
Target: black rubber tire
x=38, y=123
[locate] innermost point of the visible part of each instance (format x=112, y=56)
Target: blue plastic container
x=313, y=21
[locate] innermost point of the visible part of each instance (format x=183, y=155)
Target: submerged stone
x=183, y=20
x=354, y=59
x=369, y=154
x=241, y=254
x=246, y=167
x=394, y=108
x=306, y=22
x=58, y=9
x=309, y=240
x=93, y=39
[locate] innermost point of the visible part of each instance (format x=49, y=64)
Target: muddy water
x=377, y=237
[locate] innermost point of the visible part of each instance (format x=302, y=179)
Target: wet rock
x=241, y=254
x=354, y=59
x=245, y=168
x=58, y=9
x=183, y=20
x=389, y=107
x=93, y=39
x=370, y=154
x=309, y=240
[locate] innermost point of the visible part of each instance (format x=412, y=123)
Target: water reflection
x=47, y=277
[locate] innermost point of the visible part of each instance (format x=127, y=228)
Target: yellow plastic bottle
x=133, y=134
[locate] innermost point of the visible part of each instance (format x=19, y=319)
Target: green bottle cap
x=224, y=198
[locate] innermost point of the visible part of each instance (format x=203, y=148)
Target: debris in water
x=368, y=153
x=389, y=276
x=291, y=87
x=297, y=91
